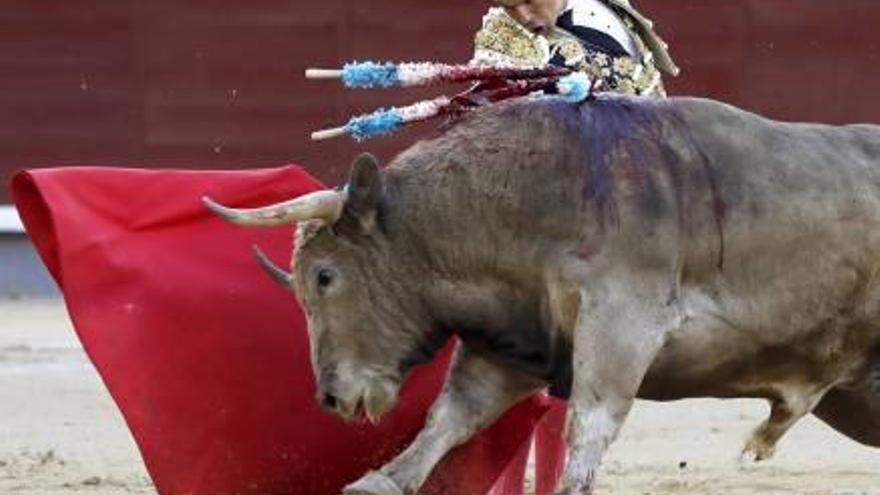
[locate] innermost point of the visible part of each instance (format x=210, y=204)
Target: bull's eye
x=325, y=278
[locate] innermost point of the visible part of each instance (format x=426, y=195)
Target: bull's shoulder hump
x=708, y=109
x=700, y=112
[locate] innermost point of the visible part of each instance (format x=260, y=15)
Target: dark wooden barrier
x=219, y=83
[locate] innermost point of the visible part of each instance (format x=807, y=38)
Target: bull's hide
x=626, y=246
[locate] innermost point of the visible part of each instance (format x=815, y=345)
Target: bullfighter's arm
x=476, y=392
x=622, y=324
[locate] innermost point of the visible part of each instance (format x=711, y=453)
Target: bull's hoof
x=575, y=491
x=757, y=450
x=373, y=483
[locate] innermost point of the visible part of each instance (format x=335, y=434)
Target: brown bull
x=625, y=247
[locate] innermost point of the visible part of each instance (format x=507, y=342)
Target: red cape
x=208, y=359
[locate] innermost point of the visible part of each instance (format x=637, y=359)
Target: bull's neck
x=469, y=308
x=502, y=320
x=476, y=278
x=454, y=229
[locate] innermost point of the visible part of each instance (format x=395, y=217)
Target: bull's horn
x=278, y=274
x=319, y=205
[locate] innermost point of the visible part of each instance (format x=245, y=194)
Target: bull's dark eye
x=325, y=278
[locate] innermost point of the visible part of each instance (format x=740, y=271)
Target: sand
x=60, y=433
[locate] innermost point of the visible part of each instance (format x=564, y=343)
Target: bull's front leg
x=477, y=391
x=620, y=329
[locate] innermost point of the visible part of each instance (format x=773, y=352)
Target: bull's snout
x=328, y=401
x=355, y=398
x=347, y=408
x=327, y=395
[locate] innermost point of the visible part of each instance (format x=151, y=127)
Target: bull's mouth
x=371, y=404
x=349, y=411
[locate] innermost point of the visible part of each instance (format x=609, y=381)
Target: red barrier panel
x=220, y=84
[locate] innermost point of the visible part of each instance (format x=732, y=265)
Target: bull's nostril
x=329, y=401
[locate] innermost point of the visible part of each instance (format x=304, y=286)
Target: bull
x=619, y=248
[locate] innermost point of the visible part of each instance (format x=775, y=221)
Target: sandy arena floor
x=61, y=434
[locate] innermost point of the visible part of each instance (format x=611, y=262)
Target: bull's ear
x=364, y=192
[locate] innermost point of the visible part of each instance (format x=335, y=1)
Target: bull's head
x=366, y=328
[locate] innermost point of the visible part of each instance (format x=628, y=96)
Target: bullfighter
x=609, y=40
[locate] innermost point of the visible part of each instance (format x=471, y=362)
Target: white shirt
x=596, y=15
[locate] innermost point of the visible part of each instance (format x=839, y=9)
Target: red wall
x=789, y=59
x=218, y=83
